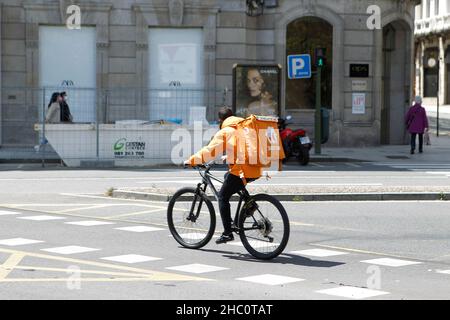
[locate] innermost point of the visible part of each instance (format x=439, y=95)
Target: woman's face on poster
x=255, y=82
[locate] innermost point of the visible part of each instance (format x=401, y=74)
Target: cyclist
x=238, y=175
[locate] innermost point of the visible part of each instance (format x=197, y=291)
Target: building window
x=176, y=76
x=303, y=36
x=419, y=12
x=67, y=62
x=436, y=7
x=176, y=57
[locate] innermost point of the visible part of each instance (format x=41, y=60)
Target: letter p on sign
x=299, y=66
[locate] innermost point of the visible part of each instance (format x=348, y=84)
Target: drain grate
x=397, y=157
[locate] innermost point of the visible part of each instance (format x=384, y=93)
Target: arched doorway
x=396, y=88
x=304, y=35
x=430, y=74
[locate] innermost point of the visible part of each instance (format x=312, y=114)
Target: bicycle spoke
x=191, y=225
x=264, y=233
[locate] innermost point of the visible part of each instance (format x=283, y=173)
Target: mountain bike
x=260, y=220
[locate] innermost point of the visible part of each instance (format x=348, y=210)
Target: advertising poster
x=359, y=103
x=256, y=90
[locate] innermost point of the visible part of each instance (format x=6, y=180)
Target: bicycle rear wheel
x=265, y=232
x=191, y=218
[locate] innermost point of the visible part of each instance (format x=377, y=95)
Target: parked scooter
x=296, y=143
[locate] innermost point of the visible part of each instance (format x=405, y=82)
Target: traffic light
x=320, y=55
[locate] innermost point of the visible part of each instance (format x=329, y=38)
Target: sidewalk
x=437, y=152
x=444, y=118
x=27, y=155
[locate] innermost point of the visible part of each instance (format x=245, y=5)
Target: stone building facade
x=432, y=33
x=228, y=37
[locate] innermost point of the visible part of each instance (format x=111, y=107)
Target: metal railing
x=98, y=111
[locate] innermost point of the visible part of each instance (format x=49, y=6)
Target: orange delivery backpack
x=259, y=142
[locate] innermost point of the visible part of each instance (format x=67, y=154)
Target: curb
x=388, y=196
x=29, y=161
x=333, y=159
x=110, y=164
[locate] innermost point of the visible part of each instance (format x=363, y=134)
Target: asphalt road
x=20, y=179
x=61, y=238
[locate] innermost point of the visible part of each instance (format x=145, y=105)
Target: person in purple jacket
x=416, y=123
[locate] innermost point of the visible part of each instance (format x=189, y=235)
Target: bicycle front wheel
x=264, y=230
x=191, y=218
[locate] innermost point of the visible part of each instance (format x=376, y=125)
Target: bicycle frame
x=207, y=180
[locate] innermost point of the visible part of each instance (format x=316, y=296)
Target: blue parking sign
x=299, y=66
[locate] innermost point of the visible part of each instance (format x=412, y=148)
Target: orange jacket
x=225, y=142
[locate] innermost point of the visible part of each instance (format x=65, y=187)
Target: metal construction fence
x=113, y=127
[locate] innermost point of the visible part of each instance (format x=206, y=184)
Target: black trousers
x=413, y=141
x=231, y=185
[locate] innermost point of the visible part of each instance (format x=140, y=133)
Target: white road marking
x=135, y=213
x=318, y=184
x=98, y=206
x=443, y=271
x=9, y=213
x=41, y=218
x=438, y=172
x=18, y=242
x=131, y=258
x=255, y=244
x=410, y=164
x=197, y=268
x=78, y=179
x=270, y=279
x=318, y=253
x=140, y=229
x=70, y=250
x=97, y=196
x=192, y=236
x=290, y=172
x=181, y=181
x=89, y=223
x=389, y=262
x=270, y=184
x=352, y=292
x=70, y=204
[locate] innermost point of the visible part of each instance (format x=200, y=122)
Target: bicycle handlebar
x=206, y=166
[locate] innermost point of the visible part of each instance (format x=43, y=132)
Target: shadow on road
x=282, y=259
